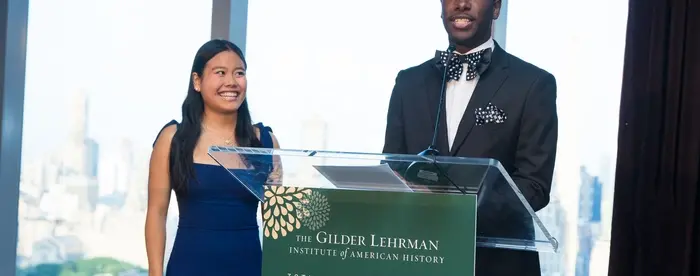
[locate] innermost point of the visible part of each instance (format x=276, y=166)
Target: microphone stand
x=432, y=152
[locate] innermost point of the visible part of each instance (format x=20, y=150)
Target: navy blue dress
x=218, y=230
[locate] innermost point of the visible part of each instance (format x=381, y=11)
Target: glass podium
x=504, y=217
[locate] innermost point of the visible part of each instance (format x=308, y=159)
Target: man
x=496, y=106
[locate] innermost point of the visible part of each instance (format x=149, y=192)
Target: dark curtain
x=656, y=216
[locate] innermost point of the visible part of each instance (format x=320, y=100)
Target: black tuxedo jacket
x=525, y=143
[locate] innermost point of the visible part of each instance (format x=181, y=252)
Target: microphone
x=430, y=174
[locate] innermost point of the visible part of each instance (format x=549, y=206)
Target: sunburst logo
x=287, y=209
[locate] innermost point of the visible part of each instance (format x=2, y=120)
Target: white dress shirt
x=458, y=94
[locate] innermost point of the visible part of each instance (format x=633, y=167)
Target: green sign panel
x=326, y=232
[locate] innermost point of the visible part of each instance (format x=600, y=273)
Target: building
x=589, y=220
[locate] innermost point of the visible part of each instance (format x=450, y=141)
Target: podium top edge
x=358, y=155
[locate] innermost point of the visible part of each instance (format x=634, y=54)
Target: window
x=327, y=84
x=102, y=78
x=586, y=57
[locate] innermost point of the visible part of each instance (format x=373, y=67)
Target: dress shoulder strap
x=265, y=137
x=172, y=122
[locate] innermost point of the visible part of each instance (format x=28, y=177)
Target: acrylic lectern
x=343, y=213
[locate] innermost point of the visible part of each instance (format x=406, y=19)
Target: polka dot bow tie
x=477, y=63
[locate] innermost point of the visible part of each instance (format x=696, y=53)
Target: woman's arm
x=158, y=201
x=276, y=175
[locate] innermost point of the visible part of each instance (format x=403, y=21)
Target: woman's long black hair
x=188, y=132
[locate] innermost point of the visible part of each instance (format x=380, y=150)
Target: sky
x=131, y=57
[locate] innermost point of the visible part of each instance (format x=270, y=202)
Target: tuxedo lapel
x=489, y=83
x=432, y=89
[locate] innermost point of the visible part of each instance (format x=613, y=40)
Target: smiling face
x=223, y=83
x=468, y=22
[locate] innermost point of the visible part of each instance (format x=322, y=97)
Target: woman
x=218, y=232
